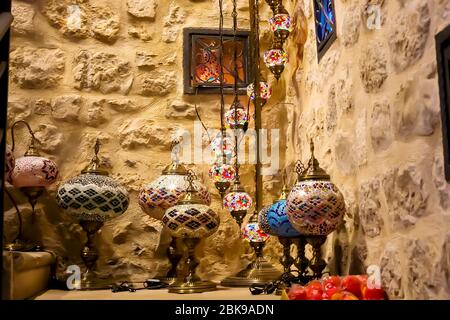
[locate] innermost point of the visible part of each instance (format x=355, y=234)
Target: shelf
x=3, y=65
x=5, y=22
x=162, y=294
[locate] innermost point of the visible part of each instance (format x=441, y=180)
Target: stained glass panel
x=325, y=21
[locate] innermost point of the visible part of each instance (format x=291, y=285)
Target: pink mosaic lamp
x=237, y=201
x=281, y=24
x=276, y=58
x=315, y=207
x=236, y=117
x=265, y=91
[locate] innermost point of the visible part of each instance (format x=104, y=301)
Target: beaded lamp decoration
x=223, y=174
x=222, y=146
x=252, y=231
x=164, y=192
x=281, y=24
x=191, y=220
x=236, y=117
x=276, y=58
x=92, y=198
x=315, y=207
x=262, y=221
x=32, y=173
x=265, y=91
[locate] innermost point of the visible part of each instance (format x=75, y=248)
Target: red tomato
x=352, y=284
x=314, y=291
x=334, y=280
x=297, y=292
x=330, y=289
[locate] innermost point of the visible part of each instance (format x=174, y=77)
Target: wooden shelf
x=5, y=22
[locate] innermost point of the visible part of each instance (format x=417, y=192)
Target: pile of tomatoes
x=336, y=288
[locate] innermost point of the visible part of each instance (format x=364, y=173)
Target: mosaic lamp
x=92, y=198
x=259, y=271
x=315, y=207
x=32, y=173
x=237, y=201
x=166, y=191
x=281, y=24
x=170, y=187
x=262, y=221
x=223, y=174
x=191, y=220
x=276, y=58
x=236, y=117
x=10, y=162
x=265, y=91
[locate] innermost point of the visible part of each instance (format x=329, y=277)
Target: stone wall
x=112, y=69
x=372, y=107
x=87, y=69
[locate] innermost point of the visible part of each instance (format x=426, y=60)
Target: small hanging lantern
x=236, y=117
x=265, y=91
x=281, y=24
x=191, y=220
x=222, y=145
x=92, y=198
x=223, y=174
x=276, y=58
x=253, y=232
x=315, y=206
x=32, y=173
x=237, y=201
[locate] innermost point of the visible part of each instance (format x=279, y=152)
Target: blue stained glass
x=279, y=221
x=325, y=19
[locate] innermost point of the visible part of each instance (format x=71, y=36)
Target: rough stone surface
x=142, y=8
x=23, y=13
x=406, y=196
x=156, y=84
x=49, y=137
x=373, y=68
x=145, y=59
x=140, y=31
x=101, y=71
x=93, y=113
x=37, y=68
x=180, y=109
x=407, y=40
x=391, y=274
x=140, y=132
x=350, y=26
x=380, y=130
x=440, y=183
x=344, y=155
x=66, y=107
x=370, y=208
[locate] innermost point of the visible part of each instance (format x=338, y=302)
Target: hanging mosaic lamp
x=262, y=220
x=10, y=162
x=315, y=206
x=222, y=145
x=237, y=201
x=236, y=117
x=164, y=192
x=32, y=173
x=265, y=91
x=252, y=231
x=278, y=219
x=191, y=220
x=281, y=24
x=276, y=58
x=222, y=174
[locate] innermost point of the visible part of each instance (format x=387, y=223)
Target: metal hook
x=33, y=138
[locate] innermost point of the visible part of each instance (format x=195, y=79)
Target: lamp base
x=168, y=280
x=258, y=272
x=93, y=284
x=21, y=245
x=196, y=286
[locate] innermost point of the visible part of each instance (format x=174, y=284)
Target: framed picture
x=443, y=67
x=201, y=60
x=325, y=22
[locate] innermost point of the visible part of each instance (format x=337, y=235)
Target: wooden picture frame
x=324, y=40
x=443, y=68
x=208, y=40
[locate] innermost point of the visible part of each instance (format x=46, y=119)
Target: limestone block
x=442, y=186
x=101, y=71
x=175, y=17
x=141, y=132
x=370, y=208
x=350, y=26
x=41, y=107
x=372, y=65
x=406, y=196
x=120, y=231
x=122, y=105
x=409, y=34
x=344, y=155
x=145, y=59
x=105, y=23
x=18, y=109
x=380, y=126
x=93, y=114
x=23, y=14
x=180, y=110
x=37, y=68
x=142, y=8
x=156, y=83
x=66, y=107
x=140, y=31
x=391, y=270
x=49, y=137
